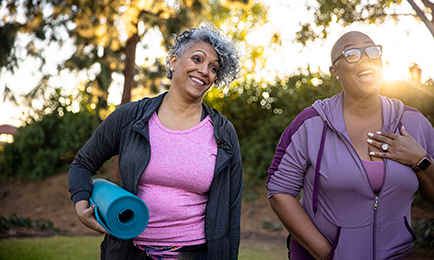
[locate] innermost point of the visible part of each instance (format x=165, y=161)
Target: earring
x=337, y=77
x=171, y=69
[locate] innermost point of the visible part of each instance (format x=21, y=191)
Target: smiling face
x=195, y=72
x=359, y=78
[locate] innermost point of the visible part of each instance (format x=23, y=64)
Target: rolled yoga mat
x=121, y=213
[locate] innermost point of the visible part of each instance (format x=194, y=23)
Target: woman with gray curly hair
x=179, y=156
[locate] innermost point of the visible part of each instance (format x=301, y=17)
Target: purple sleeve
x=286, y=173
x=413, y=119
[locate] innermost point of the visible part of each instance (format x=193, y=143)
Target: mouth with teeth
x=366, y=75
x=198, y=82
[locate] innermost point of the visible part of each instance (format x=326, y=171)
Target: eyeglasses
x=353, y=55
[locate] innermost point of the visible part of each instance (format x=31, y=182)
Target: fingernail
x=378, y=132
x=370, y=134
x=369, y=141
x=371, y=153
x=403, y=127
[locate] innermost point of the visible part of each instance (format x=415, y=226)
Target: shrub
x=45, y=146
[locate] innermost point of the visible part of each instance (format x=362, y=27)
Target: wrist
x=423, y=163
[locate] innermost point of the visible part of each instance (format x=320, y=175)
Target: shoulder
x=124, y=113
x=304, y=115
x=411, y=114
x=411, y=109
x=223, y=128
x=418, y=126
x=307, y=115
x=220, y=122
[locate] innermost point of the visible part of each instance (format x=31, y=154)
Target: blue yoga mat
x=121, y=213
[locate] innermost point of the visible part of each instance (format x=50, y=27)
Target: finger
x=378, y=137
x=375, y=143
x=95, y=223
x=383, y=135
x=404, y=131
x=380, y=154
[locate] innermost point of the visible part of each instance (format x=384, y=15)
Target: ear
x=172, y=61
x=333, y=71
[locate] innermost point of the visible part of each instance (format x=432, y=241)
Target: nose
x=203, y=69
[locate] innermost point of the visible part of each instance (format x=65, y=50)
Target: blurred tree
x=105, y=35
x=347, y=12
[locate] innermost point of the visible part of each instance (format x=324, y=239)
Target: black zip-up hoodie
x=125, y=133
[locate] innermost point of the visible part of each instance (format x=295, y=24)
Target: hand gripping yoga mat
x=121, y=213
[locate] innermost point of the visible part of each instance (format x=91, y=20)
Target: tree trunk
x=129, y=72
x=130, y=67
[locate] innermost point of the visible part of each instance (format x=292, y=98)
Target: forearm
x=426, y=183
x=300, y=226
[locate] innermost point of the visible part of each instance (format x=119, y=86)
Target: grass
x=87, y=248
x=51, y=248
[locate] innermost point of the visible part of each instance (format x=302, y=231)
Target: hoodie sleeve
x=290, y=161
x=103, y=144
x=420, y=128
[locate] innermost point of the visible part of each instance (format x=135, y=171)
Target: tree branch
x=429, y=24
x=428, y=4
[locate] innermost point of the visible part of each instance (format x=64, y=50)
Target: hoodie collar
x=331, y=110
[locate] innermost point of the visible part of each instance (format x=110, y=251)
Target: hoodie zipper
x=376, y=199
x=374, y=240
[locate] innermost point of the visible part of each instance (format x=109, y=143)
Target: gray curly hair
x=227, y=54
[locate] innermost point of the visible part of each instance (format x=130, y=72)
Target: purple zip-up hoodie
x=315, y=155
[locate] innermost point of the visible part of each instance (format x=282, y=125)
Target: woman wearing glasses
x=359, y=158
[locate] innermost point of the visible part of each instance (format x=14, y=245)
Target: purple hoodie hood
x=331, y=110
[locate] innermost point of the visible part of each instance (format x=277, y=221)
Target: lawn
x=87, y=248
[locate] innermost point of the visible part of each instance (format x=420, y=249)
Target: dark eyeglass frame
x=362, y=50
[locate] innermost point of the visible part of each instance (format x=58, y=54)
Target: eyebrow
x=204, y=53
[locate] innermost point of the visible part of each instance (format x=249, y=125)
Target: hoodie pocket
x=395, y=239
x=352, y=243
x=407, y=225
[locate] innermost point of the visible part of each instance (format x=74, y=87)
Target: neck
x=177, y=114
x=176, y=105
x=363, y=107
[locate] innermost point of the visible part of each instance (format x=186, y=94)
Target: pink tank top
x=176, y=183
x=375, y=171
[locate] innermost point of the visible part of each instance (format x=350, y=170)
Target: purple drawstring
x=318, y=163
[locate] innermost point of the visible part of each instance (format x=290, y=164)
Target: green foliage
x=45, y=145
x=8, y=58
x=6, y=223
x=261, y=111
